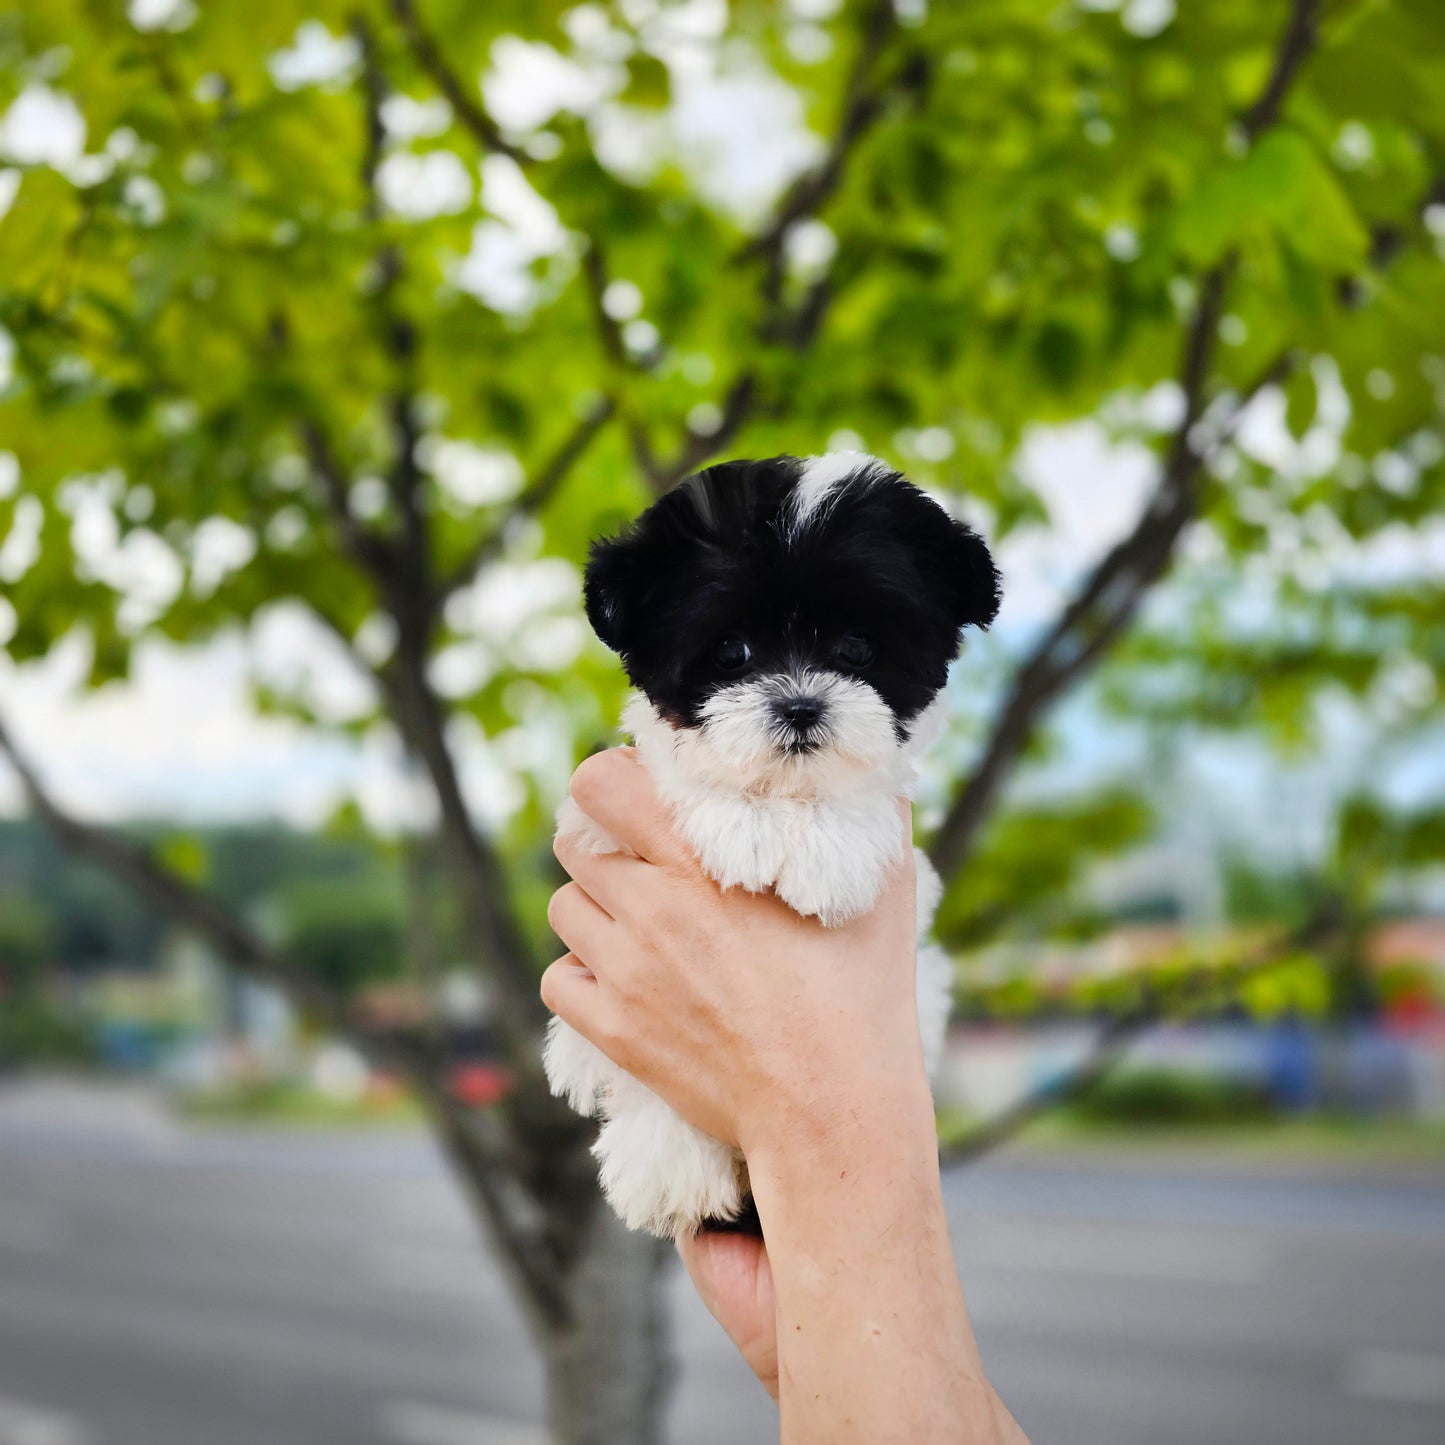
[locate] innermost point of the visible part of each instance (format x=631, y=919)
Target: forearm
x=873, y=1338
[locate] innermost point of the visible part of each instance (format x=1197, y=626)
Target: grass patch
x=1170, y=1098
x=1325, y=1137
x=287, y=1104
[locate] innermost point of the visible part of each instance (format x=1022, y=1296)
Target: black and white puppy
x=788, y=625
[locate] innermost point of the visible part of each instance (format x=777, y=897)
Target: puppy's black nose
x=800, y=712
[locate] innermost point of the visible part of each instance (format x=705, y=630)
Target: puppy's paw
x=577, y=1070
x=662, y=1175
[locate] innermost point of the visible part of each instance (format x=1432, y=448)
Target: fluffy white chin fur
x=821, y=830
x=740, y=742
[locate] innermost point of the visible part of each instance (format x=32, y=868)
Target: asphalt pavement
x=167, y=1286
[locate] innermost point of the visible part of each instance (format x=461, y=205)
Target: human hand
x=759, y=1026
x=734, y=1279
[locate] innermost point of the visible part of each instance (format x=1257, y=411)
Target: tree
x=273, y=345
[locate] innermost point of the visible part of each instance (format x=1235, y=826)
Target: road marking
x=409, y=1422
x=1400, y=1377
x=25, y=1424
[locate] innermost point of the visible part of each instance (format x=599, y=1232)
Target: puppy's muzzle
x=800, y=720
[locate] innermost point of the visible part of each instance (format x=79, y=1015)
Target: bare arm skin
x=799, y=1044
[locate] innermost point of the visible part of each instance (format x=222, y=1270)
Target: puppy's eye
x=732, y=654
x=854, y=651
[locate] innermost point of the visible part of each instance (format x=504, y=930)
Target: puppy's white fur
x=820, y=828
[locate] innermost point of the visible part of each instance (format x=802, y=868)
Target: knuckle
x=557, y=906
x=589, y=779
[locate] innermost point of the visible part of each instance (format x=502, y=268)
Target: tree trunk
x=608, y=1369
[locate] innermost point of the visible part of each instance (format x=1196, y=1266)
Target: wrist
x=877, y=1124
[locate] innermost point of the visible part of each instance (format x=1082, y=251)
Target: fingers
x=569, y=989
x=609, y=879
x=734, y=1279
x=614, y=790
x=580, y=923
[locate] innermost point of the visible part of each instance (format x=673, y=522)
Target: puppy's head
x=794, y=616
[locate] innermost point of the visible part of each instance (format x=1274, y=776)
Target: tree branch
x=595, y=274
x=862, y=106
x=484, y=1162
x=418, y=715
x=368, y=550
x=374, y=91
x=467, y=107
x=697, y=447
x=534, y=496
x=1300, y=35
x=1103, y=608
x=400, y=568
x=535, y=1249
x=1098, y=613
x=480, y=877
x=1108, y=1051
x=405, y=484
x=399, y=341
x=864, y=103
x=178, y=899
x=485, y=1159
x=1121, y=1031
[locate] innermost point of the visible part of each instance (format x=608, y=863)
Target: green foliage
x=35, y=1031
x=27, y=937
x=347, y=931
x=1262, y=977
x=80, y=917
x=1023, y=877
x=185, y=855
x=339, y=897
x=1256, y=894
x=285, y=1102
x=1298, y=987
x=1169, y=1097
x=1018, y=237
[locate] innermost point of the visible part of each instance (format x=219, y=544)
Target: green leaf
x=1280, y=190
x=1301, y=400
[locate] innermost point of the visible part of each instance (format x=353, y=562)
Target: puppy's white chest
x=824, y=858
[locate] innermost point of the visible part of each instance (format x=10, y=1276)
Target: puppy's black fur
x=721, y=557
x=728, y=578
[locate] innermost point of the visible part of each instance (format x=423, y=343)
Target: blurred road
x=166, y=1287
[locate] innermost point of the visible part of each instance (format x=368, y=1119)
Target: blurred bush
x=1160, y=1097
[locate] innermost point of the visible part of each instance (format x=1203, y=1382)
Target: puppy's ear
x=955, y=564
x=972, y=581
x=611, y=589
